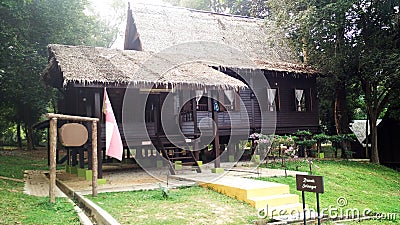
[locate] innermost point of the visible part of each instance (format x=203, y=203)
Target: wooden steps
x=173, y=154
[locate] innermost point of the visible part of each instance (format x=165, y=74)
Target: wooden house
x=388, y=144
x=228, y=87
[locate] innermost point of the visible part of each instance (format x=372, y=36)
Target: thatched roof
x=222, y=40
x=89, y=65
x=161, y=27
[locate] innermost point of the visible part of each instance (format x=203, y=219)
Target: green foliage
x=343, y=137
x=322, y=137
x=164, y=191
x=356, y=43
x=26, y=28
x=306, y=143
x=304, y=138
x=303, y=133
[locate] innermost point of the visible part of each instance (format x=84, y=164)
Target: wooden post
x=81, y=158
x=98, y=114
x=53, y=149
x=94, y=158
x=48, y=145
x=217, y=161
x=196, y=150
x=194, y=111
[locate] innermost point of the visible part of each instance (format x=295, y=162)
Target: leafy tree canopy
x=26, y=28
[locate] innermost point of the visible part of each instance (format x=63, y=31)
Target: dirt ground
x=126, y=177
x=115, y=181
x=129, y=178
x=37, y=154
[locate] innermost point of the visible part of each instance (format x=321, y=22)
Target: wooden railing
x=187, y=116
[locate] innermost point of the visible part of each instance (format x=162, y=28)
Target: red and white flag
x=114, y=146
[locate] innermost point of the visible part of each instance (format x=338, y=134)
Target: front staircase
x=274, y=198
x=174, y=154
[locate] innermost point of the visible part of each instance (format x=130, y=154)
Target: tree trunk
x=19, y=138
x=341, y=114
x=29, y=137
x=374, y=140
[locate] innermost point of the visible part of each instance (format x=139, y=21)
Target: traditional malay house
x=165, y=99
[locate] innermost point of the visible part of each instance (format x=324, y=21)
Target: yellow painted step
x=270, y=189
x=244, y=189
x=273, y=201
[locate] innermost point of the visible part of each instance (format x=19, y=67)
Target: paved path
x=37, y=184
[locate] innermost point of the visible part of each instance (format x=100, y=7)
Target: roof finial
x=129, y=5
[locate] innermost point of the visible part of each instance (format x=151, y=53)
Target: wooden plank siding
x=80, y=101
x=288, y=119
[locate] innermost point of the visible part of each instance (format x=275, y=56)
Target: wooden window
x=273, y=99
x=301, y=96
x=231, y=100
x=202, y=104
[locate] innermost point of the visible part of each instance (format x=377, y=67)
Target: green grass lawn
x=364, y=186
x=13, y=166
x=19, y=208
x=194, y=205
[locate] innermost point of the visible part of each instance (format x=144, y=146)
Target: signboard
x=310, y=183
x=73, y=135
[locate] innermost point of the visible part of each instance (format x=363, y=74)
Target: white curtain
x=271, y=98
x=230, y=95
x=299, y=96
x=199, y=94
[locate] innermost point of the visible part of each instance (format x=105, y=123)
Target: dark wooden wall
x=389, y=142
x=80, y=101
x=288, y=119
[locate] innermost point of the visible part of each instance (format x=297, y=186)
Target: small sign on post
x=310, y=183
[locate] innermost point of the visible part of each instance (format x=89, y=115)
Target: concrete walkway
x=37, y=184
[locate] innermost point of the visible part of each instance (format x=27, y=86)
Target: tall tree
x=26, y=28
x=354, y=40
x=317, y=30
x=376, y=36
